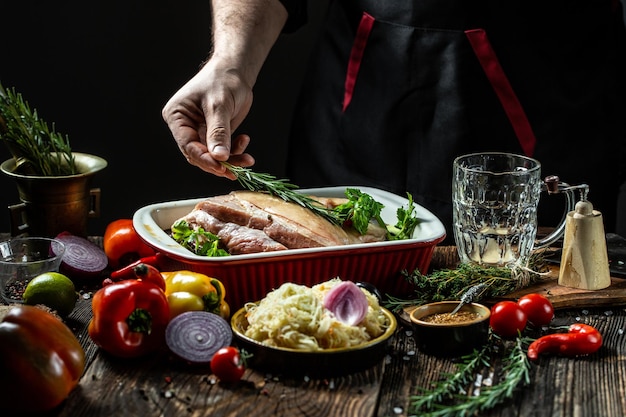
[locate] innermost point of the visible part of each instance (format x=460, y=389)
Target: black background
x=101, y=73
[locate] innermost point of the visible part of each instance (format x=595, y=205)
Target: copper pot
x=50, y=205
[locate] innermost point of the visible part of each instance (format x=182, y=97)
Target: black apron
x=397, y=89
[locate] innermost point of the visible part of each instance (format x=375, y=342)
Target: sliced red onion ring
x=195, y=336
x=82, y=258
x=347, y=302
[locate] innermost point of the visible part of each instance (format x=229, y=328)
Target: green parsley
x=198, y=241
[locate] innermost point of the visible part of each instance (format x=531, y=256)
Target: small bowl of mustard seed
x=440, y=333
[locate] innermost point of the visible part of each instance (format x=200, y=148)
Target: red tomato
x=123, y=245
x=507, y=319
x=227, y=364
x=538, y=309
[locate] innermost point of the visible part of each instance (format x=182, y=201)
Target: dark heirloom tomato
x=41, y=360
x=507, y=319
x=538, y=309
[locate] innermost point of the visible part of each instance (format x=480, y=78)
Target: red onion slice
x=82, y=258
x=195, y=336
x=347, y=302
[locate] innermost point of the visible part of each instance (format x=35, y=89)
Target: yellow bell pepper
x=193, y=291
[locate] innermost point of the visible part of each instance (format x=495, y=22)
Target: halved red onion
x=347, y=302
x=195, y=336
x=82, y=258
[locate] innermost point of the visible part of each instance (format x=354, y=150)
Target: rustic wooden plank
x=584, y=386
x=159, y=385
x=78, y=322
x=559, y=386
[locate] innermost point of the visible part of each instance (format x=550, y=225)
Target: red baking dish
x=250, y=277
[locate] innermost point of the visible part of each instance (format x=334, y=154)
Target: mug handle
x=553, y=185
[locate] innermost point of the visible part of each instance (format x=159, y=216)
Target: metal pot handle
x=19, y=224
x=94, y=206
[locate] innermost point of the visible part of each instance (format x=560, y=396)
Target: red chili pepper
x=581, y=339
x=129, y=318
x=127, y=272
x=149, y=273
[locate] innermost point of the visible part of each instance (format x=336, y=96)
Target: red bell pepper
x=129, y=318
x=123, y=245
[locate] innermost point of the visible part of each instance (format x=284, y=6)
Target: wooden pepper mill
x=584, y=260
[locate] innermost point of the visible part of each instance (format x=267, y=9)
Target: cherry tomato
x=507, y=319
x=227, y=364
x=538, y=309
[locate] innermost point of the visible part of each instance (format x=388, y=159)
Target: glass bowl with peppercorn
x=441, y=332
x=24, y=258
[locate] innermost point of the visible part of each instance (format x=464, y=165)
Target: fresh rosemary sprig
x=281, y=188
x=453, y=396
x=452, y=383
x=357, y=211
x=37, y=148
x=450, y=284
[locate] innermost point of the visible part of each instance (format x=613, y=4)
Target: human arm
x=203, y=114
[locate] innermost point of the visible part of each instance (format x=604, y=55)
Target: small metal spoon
x=372, y=289
x=468, y=296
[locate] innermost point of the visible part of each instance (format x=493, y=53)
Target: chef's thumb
x=218, y=142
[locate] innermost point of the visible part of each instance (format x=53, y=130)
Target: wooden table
x=162, y=386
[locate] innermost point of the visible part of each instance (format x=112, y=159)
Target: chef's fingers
x=218, y=136
x=239, y=144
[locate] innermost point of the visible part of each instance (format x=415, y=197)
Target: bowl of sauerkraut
x=292, y=331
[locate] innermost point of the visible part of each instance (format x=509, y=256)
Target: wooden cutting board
x=566, y=297
x=560, y=296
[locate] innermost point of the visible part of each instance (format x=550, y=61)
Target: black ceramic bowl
x=319, y=364
x=451, y=339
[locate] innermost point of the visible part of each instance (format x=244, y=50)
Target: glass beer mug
x=495, y=197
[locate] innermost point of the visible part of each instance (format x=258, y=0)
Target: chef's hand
x=203, y=114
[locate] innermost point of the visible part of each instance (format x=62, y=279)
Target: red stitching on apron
x=500, y=83
x=356, y=55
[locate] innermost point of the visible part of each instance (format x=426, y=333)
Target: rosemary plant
x=37, y=148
